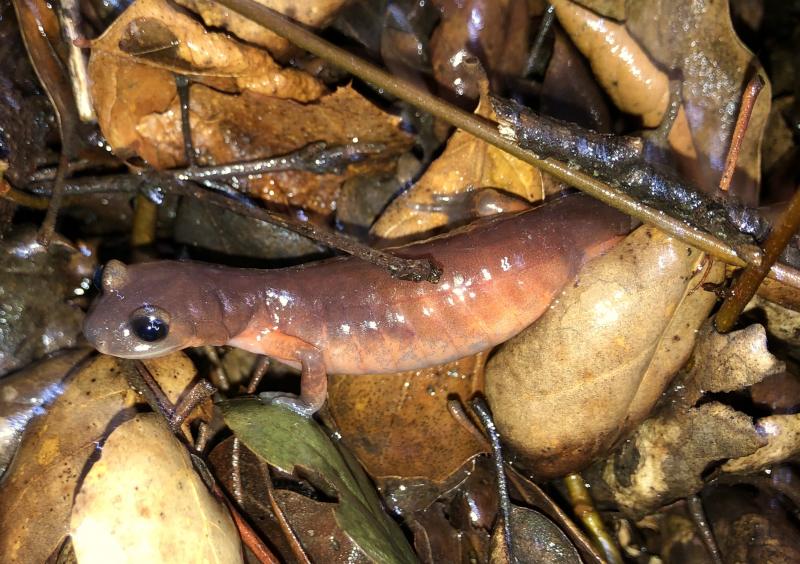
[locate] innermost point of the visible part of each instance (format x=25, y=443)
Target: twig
x=749, y=98
x=583, y=505
x=486, y=131
x=698, y=514
x=749, y=281
x=482, y=411
x=535, y=64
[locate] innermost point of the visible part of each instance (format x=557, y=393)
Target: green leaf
x=289, y=442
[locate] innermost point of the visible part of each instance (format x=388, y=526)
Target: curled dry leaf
x=37, y=491
x=399, y=424
x=591, y=368
x=142, y=501
x=243, y=105
x=312, y=13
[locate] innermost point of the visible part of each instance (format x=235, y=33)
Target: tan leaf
x=37, y=491
x=624, y=70
x=142, y=501
x=591, y=368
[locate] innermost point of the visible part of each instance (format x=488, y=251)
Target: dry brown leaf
x=466, y=164
x=624, y=70
x=782, y=323
x=668, y=455
x=142, y=501
x=591, y=368
x=312, y=13
x=37, y=492
x=399, y=424
x=243, y=105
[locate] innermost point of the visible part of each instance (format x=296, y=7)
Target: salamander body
x=347, y=316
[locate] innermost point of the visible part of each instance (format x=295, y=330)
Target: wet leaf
x=489, y=30
x=296, y=444
x=398, y=425
x=25, y=394
x=142, y=501
x=591, y=368
x=622, y=67
x=36, y=286
x=697, y=40
x=535, y=539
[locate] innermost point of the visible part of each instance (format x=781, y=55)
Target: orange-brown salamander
x=346, y=316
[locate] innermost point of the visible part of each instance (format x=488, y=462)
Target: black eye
x=150, y=324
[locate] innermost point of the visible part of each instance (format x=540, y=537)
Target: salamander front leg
x=313, y=385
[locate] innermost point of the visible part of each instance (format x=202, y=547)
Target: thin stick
x=749, y=98
x=482, y=411
x=584, y=509
x=749, y=281
x=698, y=514
x=48, y=227
x=487, y=131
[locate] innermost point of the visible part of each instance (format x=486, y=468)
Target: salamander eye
x=150, y=323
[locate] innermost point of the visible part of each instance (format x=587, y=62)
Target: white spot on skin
x=505, y=264
x=486, y=274
x=345, y=328
x=426, y=311
x=126, y=332
x=283, y=299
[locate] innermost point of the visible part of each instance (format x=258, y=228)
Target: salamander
x=346, y=316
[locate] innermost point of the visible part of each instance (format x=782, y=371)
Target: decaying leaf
x=591, y=368
x=782, y=323
x=142, y=501
x=724, y=363
x=37, y=492
x=398, y=425
x=672, y=453
x=295, y=444
x=751, y=527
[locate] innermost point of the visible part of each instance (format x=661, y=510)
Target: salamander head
x=148, y=310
